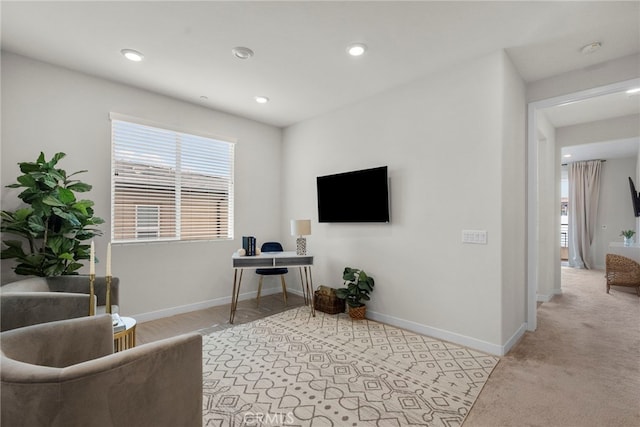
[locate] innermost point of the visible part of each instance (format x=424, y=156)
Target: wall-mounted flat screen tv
x=356, y=196
x=635, y=198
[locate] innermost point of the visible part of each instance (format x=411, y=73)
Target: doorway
x=537, y=264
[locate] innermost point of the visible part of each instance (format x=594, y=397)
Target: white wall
x=51, y=109
x=615, y=210
x=513, y=211
x=618, y=128
x=548, y=214
x=444, y=140
x=614, y=71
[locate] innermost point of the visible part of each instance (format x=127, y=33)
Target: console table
x=632, y=252
x=126, y=338
x=274, y=260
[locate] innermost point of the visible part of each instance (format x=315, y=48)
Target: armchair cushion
x=18, y=309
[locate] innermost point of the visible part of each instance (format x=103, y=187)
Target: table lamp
x=300, y=228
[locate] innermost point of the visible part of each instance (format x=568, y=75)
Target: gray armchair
x=46, y=299
x=65, y=374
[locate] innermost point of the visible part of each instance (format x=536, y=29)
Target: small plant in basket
x=358, y=286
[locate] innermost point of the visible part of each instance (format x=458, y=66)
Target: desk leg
x=304, y=288
x=309, y=288
x=237, y=280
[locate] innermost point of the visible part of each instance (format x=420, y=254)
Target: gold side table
x=126, y=338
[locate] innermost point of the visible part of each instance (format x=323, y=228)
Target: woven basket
x=330, y=304
x=357, y=312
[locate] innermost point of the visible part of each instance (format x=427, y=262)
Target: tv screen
x=635, y=198
x=357, y=196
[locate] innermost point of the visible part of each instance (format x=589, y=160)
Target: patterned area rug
x=292, y=369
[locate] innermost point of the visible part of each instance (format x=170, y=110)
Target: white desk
x=271, y=260
x=632, y=252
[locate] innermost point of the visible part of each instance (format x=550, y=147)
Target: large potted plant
x=358, y=286
x=54, y=224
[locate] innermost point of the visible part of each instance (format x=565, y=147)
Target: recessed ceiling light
x=567, y=156
x=261, y=99
x=242, y=52
x=132, y=55
x=357, y=49
x=591, y=47
x=633, y=91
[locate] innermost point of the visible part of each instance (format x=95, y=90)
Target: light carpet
x=328, y=370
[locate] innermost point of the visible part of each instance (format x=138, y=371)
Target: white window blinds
x=169, y=185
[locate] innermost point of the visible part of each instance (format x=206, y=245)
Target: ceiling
x=618, y=104
x=300, y=61
x=597, y=108
x=605, y=150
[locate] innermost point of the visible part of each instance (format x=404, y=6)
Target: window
x=169, y=185
x=147, y=221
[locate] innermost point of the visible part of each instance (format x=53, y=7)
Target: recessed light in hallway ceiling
x=242, y=52
x=357, y=49
x=132, y=55
x=591, y=47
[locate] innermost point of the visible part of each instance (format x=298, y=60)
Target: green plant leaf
x=28, y=167
x=72, y=267
x=56, y=158
x=66, y=196
x=341, y=293
x=22, y=214
x=73, y=220
x=66, y=256
x=52, y=201
x=364, y=286
x=28, y=270
x=13, y=243
x=26, y=181
x=79, y=187
x=50, y=182
x=58, y=175
x=36, y=224
x=34, y=259
x=55, y=244
x=76, y=173
x=12, y=252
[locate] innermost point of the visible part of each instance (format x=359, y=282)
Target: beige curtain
x=584, y=192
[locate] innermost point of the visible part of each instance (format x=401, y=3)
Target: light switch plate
x=478, y=237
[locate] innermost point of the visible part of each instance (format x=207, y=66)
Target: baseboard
x=484, y=346
x=543, y=297
x=514, y=339
x=154, y=315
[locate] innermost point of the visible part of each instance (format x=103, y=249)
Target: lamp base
x=301, y=246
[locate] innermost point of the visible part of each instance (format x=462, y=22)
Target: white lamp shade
x=300, y=227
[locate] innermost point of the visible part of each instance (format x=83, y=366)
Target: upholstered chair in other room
x=44, y=299
x=65, y=374
x=622, y=271
x=272, y=247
